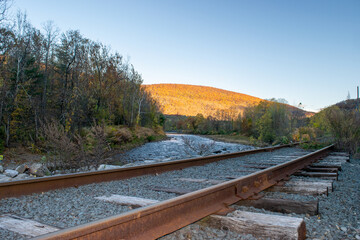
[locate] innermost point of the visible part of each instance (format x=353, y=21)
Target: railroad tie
x=262, y=226
x=283, y=205
x=25, y=226
x=127, y=200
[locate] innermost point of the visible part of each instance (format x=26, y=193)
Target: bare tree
x=51, y=33
x=4, y=7
x=20, y=52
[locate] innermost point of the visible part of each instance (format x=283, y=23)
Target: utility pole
x=357, y=99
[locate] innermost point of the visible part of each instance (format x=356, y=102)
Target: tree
x=4, y=7
x=67, y=79
x=51, y=33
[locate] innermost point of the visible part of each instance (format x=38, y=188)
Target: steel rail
x=165, y=217
x=24, y=187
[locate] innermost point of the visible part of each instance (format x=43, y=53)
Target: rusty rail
x=24, y=187
x=165, y=217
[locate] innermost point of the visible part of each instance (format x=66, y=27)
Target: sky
x=303, y=51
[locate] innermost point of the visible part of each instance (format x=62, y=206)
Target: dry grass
x=240, y=139
x=141, y=132
x=122, y=135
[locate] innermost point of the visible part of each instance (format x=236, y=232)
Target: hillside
x=349, y=105
x=189, y=100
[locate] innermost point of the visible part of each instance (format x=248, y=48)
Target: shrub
x=151, y=138
x=122, y=135
x=72, y=151
x=141, y=132
x=284, y=140
x=305, y=138
x=342, y=124
x=62, y=151
x=97, y=141
x=304, y=134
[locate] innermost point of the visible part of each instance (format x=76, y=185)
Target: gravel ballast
x=69, y=207
x=339, y=216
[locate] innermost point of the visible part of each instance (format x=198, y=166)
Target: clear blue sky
x=303, y=51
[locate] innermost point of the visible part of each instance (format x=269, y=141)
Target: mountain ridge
x=190, y=100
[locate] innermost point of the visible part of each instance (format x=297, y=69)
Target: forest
x=61, y=86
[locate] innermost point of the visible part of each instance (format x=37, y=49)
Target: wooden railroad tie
x=262, y=226
x=283, y=205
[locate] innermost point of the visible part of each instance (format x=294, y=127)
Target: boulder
x=1, y=169
x=22, y=168
x=11, y=173
x=39, y=170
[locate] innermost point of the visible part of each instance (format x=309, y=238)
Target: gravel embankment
x=74, y=206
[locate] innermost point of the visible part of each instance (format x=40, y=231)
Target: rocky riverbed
x=178, y=146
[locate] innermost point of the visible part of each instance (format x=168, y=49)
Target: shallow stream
x=178, y=146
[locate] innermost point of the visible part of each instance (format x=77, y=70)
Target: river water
x=178, y=146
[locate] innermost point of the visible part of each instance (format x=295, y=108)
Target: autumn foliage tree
x=46, y=75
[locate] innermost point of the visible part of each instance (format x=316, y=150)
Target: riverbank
x=143, y=150
x=119, y=140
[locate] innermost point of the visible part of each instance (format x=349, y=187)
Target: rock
x=357, y=237
x=39, y=170
x=11, y=173
x=344, y=229
x=4, y=178
x=22, y=176
x=22, y=168
x=1, y=169
x=107, y=167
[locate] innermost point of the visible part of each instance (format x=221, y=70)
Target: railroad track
x=24, y=187
x=164, y=217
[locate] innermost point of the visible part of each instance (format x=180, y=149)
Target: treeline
x=273, y=123
x=268, y=121
x=48, y=76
